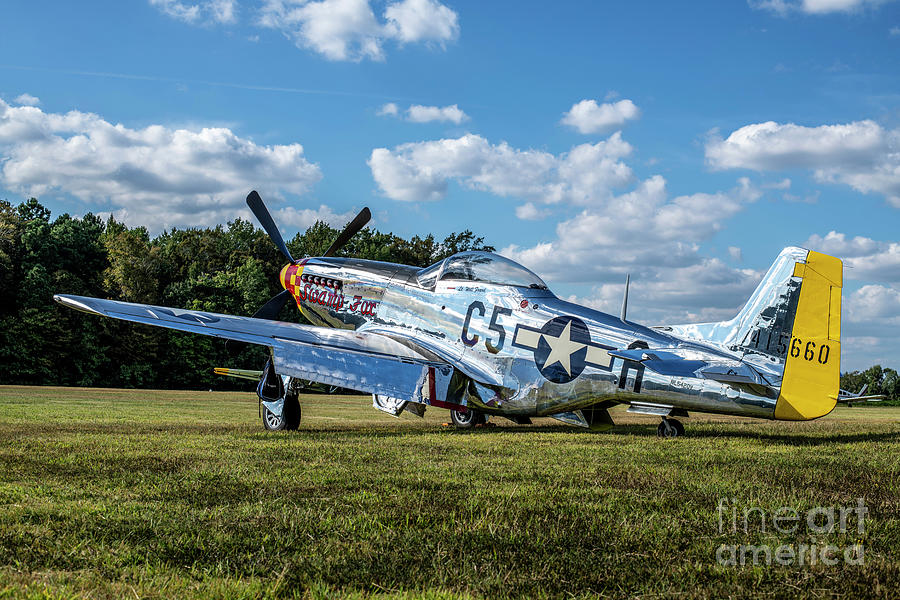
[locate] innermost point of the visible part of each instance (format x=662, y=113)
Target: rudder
x=811, y=380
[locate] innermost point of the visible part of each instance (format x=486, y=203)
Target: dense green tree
x=10, y=230
x=134, y=267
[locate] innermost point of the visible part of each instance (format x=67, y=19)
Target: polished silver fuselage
x=512, y=332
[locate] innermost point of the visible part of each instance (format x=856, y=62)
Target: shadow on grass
x=798, y=438
x=707, y=431
x=812, y=437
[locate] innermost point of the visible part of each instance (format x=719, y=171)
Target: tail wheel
x=468, y=419
x=670, y=428
x=290, y=415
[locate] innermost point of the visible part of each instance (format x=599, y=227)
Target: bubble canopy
x=483, y=267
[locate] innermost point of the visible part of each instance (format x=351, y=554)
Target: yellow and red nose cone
x=290, y=276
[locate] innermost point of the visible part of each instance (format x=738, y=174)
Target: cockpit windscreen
x=484, y=267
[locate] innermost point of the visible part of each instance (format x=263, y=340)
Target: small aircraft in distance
x=481, y=335
x=848, y=398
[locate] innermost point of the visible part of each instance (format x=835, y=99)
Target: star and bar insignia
x=562, y=348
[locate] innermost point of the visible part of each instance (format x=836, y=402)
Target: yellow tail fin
x=812, y=369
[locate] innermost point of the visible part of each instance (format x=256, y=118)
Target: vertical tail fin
x=790, y=329
x=811, y=380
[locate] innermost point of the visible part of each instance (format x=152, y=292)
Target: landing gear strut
x=468, y=419
x=670, y=428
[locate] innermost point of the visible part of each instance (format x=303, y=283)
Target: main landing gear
x=279, y=400
x=468, y=419
x=670, y=428
x=288, y=420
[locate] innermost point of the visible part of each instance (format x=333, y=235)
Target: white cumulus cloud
x=303, y=218
x=530, y=212
x=642, y=230
x=388, y=110
x=705, y=291
x=784, y=184
x=350, y=30
x=426, y=114
x=589, y=117
x=421, y=21
x=874, y=303
x=420, y=171
x=28, y=100
x=861, y=154
x=222, y=12
x=155, y=176
x=418, y=113
x=814, y=7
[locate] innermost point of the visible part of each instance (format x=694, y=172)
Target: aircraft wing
x=368, y=362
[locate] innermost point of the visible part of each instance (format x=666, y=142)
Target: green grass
x=115, y=493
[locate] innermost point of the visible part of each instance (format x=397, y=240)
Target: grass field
x=115, y=493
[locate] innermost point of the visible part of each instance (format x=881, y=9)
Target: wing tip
x=74, y=302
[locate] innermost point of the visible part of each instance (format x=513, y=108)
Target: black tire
x=290, y=415
x=467, y=420
x=669, y=428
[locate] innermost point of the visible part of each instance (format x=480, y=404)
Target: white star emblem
x=562, y=348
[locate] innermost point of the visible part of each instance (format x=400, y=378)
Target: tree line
x=231, y=269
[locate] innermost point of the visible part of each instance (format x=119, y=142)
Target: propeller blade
x=349, y=231
x=265, y=219
x=270, y=309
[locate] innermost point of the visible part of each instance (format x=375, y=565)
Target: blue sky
x=685, y=143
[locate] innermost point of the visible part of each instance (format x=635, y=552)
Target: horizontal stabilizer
x=664, y=363
x=676, y=362
x=238, y=373
x=738, y=373
x=873, y=398
x=846, y=397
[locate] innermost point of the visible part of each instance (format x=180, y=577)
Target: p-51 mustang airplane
x=479, y=334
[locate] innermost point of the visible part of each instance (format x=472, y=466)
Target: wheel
x=467, y=420
x=291, y=411
x=290, y=415
x=271, y=421
x=669, y=428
